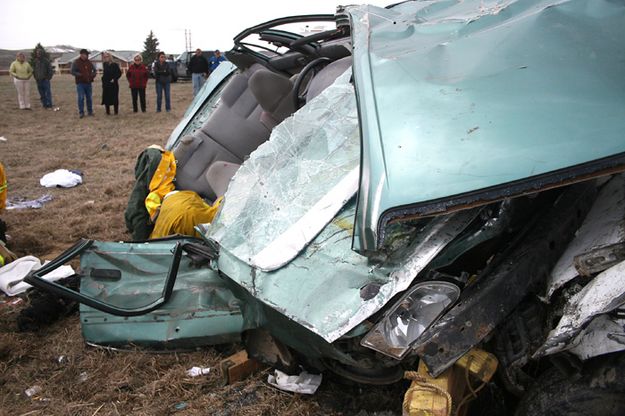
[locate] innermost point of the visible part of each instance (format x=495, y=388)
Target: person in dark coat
x=198, y=66
x=43, y=73
x=162, y=76
x=110, y=87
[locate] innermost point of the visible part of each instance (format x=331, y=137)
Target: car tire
x=598, y=391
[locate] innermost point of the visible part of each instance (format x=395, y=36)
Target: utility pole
x=187, y=39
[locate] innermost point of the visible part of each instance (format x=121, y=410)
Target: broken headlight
x=410, y=317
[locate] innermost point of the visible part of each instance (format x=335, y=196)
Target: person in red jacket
x=137, y=75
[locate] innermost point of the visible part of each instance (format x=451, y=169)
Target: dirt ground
x=75, y=379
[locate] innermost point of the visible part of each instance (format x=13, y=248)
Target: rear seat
x=232, y=132
x=252, y=104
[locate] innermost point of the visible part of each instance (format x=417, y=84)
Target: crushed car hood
x=456, y=105
x=464, y=103
x=285, y=228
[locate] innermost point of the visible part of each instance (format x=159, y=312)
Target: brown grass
x=92, y=381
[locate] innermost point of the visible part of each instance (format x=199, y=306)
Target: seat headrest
x=269, y=89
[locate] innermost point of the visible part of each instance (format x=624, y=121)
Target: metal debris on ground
x=198, y=371
x=181, y=406
x=33, y=391
x=21, y=203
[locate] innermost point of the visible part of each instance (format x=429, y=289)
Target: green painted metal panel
x=462, y=103
x=329, y=289
x=201, y=311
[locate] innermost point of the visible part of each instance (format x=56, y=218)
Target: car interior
x=278, y=72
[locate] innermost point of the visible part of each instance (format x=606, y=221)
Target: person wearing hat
x=84, y=73
x=215, y=60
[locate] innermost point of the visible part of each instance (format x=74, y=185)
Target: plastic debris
x=12, y=302
x=3, y=139
x=61, y=178
x=181, y=406
x=32, y=391
x=304, y=383
x=21, y=203
x=83, y=377
x=13, y=274
x=198, y=371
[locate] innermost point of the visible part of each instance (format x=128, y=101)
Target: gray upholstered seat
x=231, y=133
x=254, y=102
x=274, y=93
x=219, y=174
x=326, y=76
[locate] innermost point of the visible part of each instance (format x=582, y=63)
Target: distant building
x=63, y=64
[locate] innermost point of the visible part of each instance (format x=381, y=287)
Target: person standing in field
x=84, y=73
x=198, y=66
x=110, y=87
x=21, y=71
x=162, y=76
x=3, y=189
x=137, y=75
x=215, y=60
x=43, y=73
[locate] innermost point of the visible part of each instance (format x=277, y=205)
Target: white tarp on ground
x=13, y=274
x=62, y=178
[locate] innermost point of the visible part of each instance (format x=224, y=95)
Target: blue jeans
x=45, y=93
x=198, y=81
x=84, y=91
x=160, y=87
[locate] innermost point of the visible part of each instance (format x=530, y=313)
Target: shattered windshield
x=294, y=184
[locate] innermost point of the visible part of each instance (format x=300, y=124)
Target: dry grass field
x=90, y=381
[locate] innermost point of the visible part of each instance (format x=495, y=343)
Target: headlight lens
x=410, y=317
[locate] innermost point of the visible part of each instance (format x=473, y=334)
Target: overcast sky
x=125, y=24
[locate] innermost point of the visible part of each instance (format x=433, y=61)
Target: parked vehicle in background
x=182, y=63
x=172, y=65
x=418, y=182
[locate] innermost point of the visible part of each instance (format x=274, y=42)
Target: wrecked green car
x=414, y=182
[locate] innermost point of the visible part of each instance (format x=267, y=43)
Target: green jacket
x=43, y=69
x=136, y=215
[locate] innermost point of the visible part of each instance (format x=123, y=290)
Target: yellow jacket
x=181, y=212
x=20, y=70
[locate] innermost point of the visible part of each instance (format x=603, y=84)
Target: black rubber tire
x=598, y=391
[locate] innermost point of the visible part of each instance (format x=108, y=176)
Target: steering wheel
x=299, y=97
